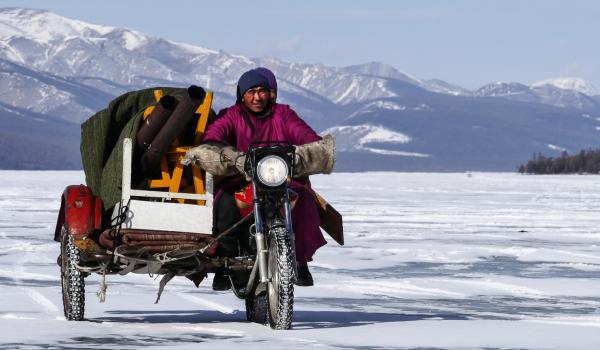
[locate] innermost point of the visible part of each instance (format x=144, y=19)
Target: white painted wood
x=126, y=176
x=167, y=216
x=168, y=195
x=164, y=216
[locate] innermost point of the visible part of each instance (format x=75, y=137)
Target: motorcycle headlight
x=272, y=171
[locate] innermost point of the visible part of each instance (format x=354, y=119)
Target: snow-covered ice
x=431, y=261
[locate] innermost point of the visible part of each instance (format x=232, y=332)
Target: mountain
x=56, y=72
x=576, y=84
x=437, y=85
x=378, y=69
x=30, y=140
x=47, y=94
x=556, y=96
x=512, y=91
x=445, y=132
x=547, y=92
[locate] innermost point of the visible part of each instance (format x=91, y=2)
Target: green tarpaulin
x=102, y=138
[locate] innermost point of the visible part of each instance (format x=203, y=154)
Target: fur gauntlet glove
x=215, y=158
x=315, y=158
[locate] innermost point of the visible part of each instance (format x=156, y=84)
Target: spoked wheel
x=280, y=289
x=73, y=283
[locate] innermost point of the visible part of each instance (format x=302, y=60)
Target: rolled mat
x=157, y=241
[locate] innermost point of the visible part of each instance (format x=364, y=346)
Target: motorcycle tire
x=256, y=308
x=73, y=283
x=280, y=288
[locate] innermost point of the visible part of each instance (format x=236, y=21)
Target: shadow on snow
x=302, y=319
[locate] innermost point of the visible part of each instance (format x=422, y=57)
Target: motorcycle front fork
x=262, y=252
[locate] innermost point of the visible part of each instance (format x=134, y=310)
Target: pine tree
x=586, y=161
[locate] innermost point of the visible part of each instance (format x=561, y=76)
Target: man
x=257, y=117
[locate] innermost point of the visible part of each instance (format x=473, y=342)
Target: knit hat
x=249, y=80
x=267, y=73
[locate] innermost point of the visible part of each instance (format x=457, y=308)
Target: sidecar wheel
x=73, y=283
x=280, y=289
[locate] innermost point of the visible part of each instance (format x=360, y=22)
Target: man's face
x=256, y=98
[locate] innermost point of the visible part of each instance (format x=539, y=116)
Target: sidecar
x=162, y=228
x=150, y=232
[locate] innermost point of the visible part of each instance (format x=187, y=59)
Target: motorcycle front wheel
x=280, y=289
x=276, y=306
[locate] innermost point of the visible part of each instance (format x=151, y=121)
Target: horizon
x=477, y=66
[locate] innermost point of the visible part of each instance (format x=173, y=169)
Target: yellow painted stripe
x=158, y=94
x=204, y=111
x=148, y=111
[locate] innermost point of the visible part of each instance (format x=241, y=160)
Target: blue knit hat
x=249, y=80
x=267, y=73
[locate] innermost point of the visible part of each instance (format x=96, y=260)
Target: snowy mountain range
x=56, y=72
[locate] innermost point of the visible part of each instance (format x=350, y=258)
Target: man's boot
x=227, y=214
x=228, y=247
x=304, y=279
x=221, y=282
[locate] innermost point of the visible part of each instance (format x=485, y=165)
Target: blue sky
x=468, y=43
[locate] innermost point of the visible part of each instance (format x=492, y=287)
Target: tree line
x=586, y=161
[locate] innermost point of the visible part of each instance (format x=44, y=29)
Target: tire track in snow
x=210, y=304
x=28, y=252
x=37, y=297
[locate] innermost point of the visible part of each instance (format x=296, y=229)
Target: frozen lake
x=431, y=261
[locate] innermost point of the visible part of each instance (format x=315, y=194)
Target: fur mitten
x=215, y=158
x=315, y=157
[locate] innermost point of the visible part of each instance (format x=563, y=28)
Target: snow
x=367, y=133
x=395, y=153
x=577, y=84
x=46, y=26
x=386, y=105
x=381, y=134
x=358, y=138
x=133, y=40
x=353, y=87
x=556, y=148
x=197, y=50
x=444, y=261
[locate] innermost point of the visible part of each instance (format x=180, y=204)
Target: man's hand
x=215, y=158
x=231, y=156
x=315, y=158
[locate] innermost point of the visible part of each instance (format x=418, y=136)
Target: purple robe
x=283, y=124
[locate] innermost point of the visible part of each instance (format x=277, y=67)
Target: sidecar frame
x=144, y=214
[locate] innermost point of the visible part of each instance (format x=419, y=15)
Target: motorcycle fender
x=80, y=212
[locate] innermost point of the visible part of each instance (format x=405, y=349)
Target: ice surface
x=431, y=261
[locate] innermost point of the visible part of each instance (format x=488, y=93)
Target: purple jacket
x=282, y=125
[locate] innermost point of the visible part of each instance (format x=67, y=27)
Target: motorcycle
x=150, y=232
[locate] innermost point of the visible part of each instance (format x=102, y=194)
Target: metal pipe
x=126, y=174
x=181, y=116
x=290, y=229
x=261, y=244
x=155, y=121
x=249, y=286
x=226, y=232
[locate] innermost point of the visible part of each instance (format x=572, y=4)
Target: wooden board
x=331, y=220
